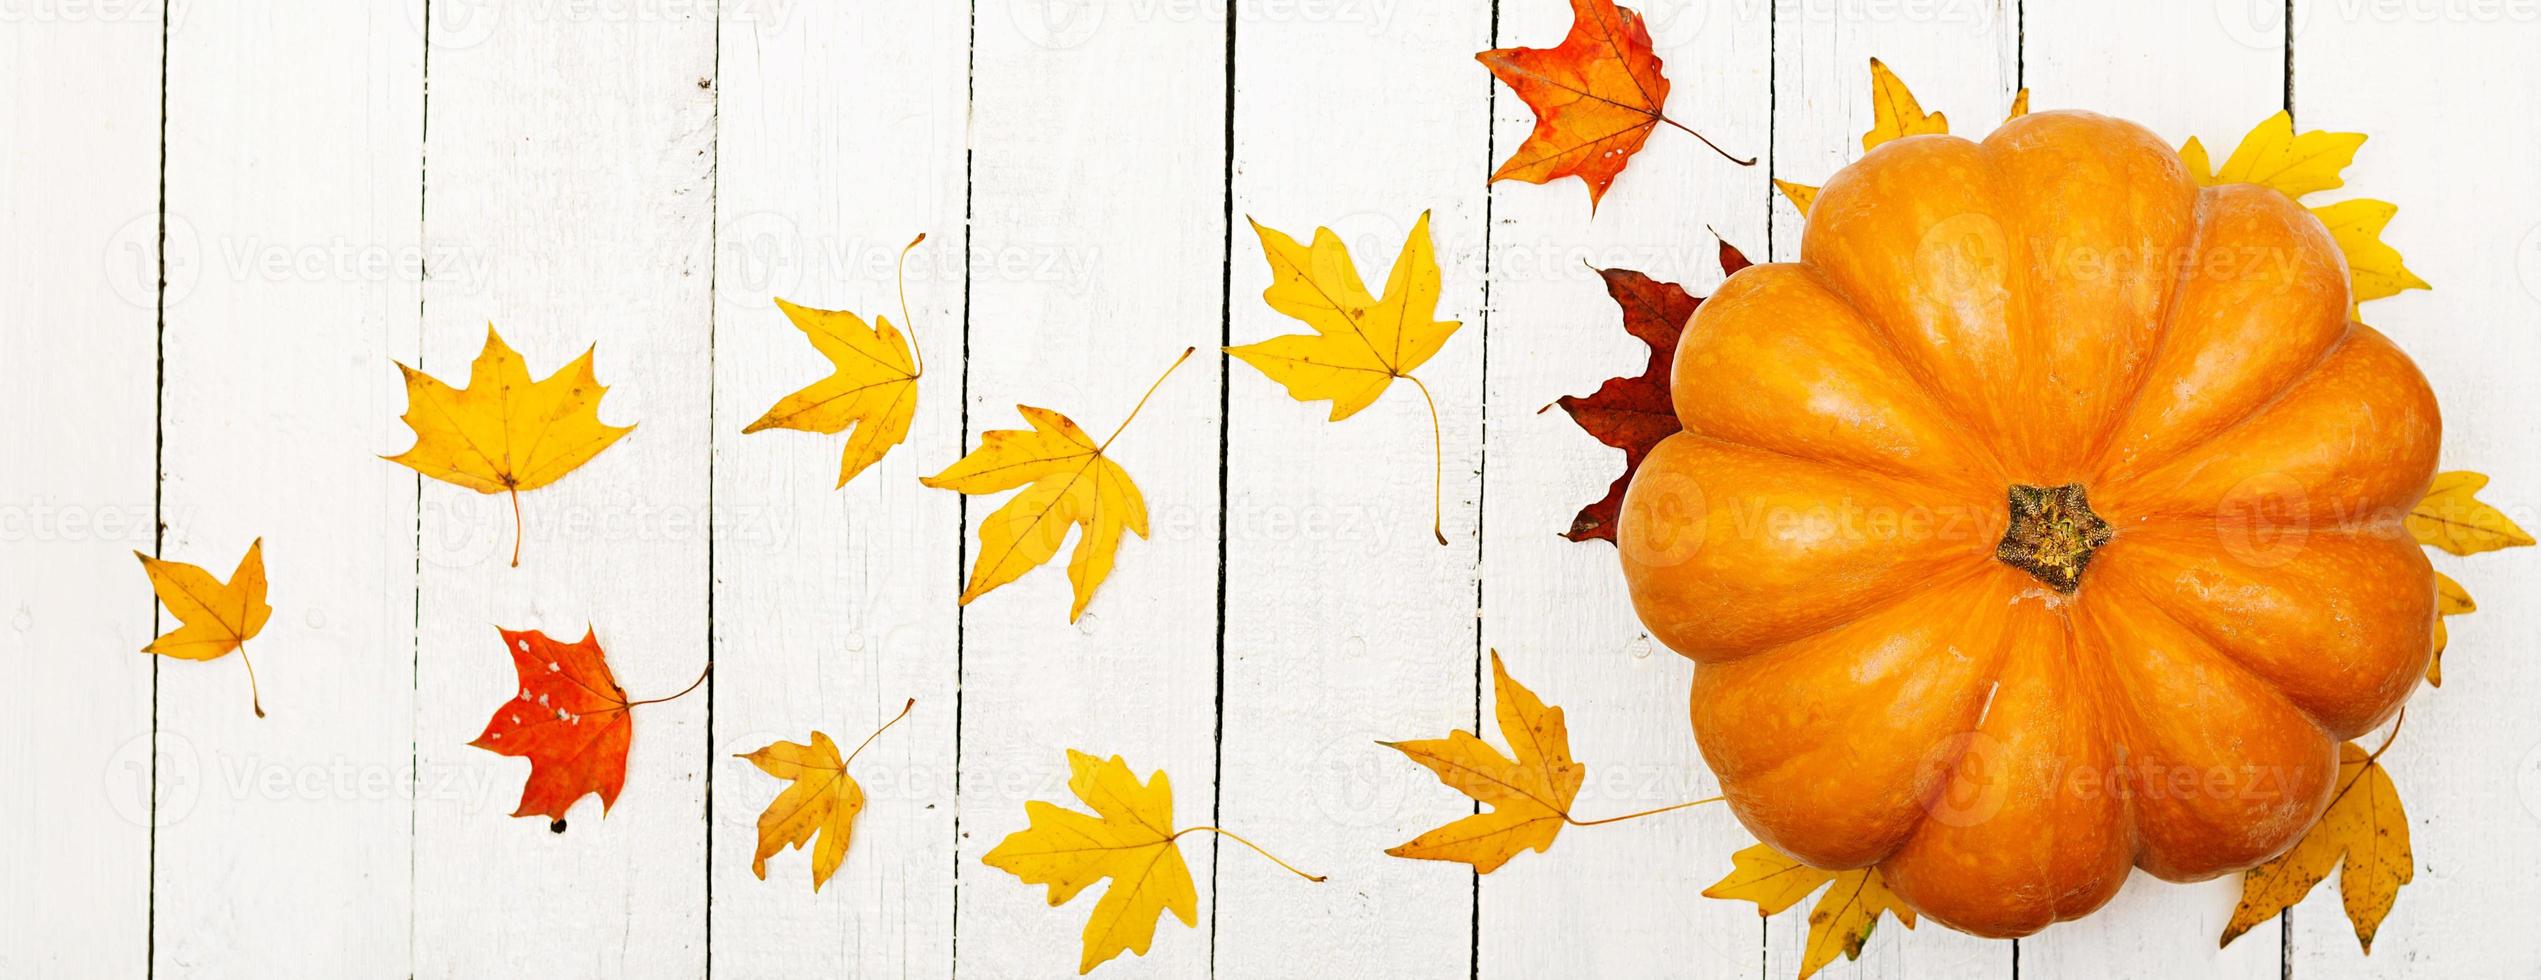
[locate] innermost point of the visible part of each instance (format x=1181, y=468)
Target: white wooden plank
x=2181, y=68
x=1557, y=608
x=1347, y=621
x=294, y=856
x=572, y=160
x=841, y=138
x=78, y=354
x=2447, y=98
x=1961, y=59
x=1097, y=181
x=571, y=150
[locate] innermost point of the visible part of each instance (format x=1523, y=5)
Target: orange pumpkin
x=2043, y=520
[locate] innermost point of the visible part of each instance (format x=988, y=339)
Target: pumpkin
x=2041, y=522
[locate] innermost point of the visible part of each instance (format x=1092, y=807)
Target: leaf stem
x=1257, y=848
x=1437, y=466
x=516, y=527
x=1707, y=141
x=683, y=692
x=900, y=272
x=2371, y=758
x=886, y=726
x=255, y=698
x=2387, y=737
x=1567, y=818
x=1142, y=400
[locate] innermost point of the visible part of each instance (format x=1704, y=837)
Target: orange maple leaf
x=570, y=721
x=1596, y=98
x=216, y=617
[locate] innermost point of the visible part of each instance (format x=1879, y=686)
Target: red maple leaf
x=1596, y=98
x=569, y=720
x=1633, y=414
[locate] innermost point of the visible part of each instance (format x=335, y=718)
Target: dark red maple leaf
x=570, y=720
x=1633, y=414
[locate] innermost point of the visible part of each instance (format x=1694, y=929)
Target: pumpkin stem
x=2052, y=534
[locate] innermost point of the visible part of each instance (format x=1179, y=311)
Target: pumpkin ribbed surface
x=2041, y=522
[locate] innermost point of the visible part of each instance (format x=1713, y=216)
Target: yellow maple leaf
x=1072, y=485
x=1800, y=195
x=2452, y=517
x=2364, y=833
x=1842, y=919
x=2294, y=164
x=2374, y=269
x=1766, y=877
x=822, y=799
x=2275, y=156
x=2020, y=105
x=1129, y=838
x=1361, y=343
x=502, y=433
x=874, y=389
x=1530, y=796
x=1894, y=111
x=2450, y=600
x=214, y=617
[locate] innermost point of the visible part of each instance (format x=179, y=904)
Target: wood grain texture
x=284, y=845
x=2449, y=99
x=78, y=382
x=1962, y=59
x=2180, y=68
x=840, y=140
x=1347, y=622
x=1097, y=183
x=575, y=155
x=647, y=178
x=1625, y=899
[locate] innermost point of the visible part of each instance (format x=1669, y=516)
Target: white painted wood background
x=647, y=173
